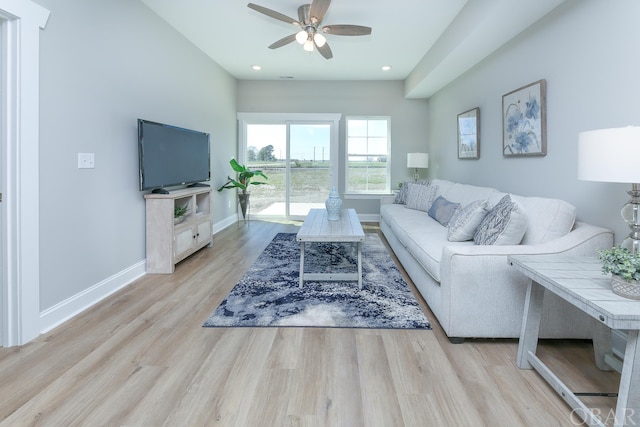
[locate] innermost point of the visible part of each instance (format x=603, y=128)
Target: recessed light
x=256, y=67
x=386, y=67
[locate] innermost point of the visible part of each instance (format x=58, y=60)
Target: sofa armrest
x=463, y=265
x=474, y=277
x=583, y=240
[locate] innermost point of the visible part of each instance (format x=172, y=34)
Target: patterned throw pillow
x=401, y=197
x=505, y=224
x=465, y=221
x=420, y=197
x=443, y=210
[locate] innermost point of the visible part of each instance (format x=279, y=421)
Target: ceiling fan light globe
x=319, y=39
x=308, y=46
x=301, y=36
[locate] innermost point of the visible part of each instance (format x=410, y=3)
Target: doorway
x=298, y=155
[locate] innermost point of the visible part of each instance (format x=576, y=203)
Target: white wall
x=586, y=51
x=350, y=98
x=103, y=65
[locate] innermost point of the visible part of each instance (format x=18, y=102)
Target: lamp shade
x=610, y=155
x=418, y=160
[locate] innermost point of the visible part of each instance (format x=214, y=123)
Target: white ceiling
x=428, y=43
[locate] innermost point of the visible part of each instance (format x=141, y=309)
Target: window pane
x=378, y=128
x=357, y=128
x=378, y=145
x=357, y=146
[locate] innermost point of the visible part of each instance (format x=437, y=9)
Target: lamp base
x=631, y=214
x=416, y=176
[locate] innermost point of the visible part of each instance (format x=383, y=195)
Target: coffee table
x=317, y=228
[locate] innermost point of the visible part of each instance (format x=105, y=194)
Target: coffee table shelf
x=318, y=229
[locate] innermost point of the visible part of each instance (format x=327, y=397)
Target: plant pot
x=625, y=288
x=178, y=219
x=243, y=198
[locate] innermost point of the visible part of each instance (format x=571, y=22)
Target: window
x=368, y=158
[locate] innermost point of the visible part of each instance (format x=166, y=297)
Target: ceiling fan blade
x=283, y=41
x=273, y=14
x=346, y=30
x=319, y=9
x=324, y=50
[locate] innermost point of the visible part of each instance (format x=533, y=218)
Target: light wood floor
x=141, y=358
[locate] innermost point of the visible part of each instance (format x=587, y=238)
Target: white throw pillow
x=420, y=197
x=505, y=224
x=465, y=221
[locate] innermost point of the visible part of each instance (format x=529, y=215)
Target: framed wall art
x=524, y=121
x=469, y=134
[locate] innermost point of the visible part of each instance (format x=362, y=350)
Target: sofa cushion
x=443, y=210
x=423, y=236
x=465, y=221
x=420, y=197
x=547, y=219
x=505, y=224
x=465, y=193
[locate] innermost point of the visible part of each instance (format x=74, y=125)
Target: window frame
x=365, y=193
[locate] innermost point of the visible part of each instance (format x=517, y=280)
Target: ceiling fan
x=311, y=29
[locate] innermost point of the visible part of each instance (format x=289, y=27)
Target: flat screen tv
x=171, y=156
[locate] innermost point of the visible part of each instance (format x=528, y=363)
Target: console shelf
x=169, y=243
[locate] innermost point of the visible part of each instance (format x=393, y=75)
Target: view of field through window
x=299, y=168
x=299, y=172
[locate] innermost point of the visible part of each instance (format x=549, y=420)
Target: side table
x=580, y=282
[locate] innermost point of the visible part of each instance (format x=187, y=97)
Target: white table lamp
x=417, y=161
x=613, y=155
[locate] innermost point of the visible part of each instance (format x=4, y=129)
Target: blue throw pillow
x=442, y=210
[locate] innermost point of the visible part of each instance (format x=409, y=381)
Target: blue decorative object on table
x=334, y=205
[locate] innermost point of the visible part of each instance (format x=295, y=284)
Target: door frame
x=288, y=119
x=22, y=21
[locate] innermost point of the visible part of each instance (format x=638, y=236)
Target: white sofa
x=470, y=288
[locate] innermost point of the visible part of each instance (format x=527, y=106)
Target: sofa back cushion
x=548, y=218
x=463, y=193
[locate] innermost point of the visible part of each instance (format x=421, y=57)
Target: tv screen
x=170, y=156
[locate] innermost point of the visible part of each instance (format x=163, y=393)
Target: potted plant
x=245, y=177
x=179, y=213
x=624, y=267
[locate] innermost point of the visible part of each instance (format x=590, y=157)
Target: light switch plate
x=86, y=161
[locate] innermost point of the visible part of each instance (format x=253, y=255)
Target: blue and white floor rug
x=268, y=294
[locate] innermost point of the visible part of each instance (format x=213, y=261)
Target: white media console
x=169, y=242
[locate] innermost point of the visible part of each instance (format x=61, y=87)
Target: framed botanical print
x=469, y=134
x=524, y=121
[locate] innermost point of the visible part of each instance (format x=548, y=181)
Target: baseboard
x=65, y=310
x=221, y=225
x=369, y=217
x=229, y=221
